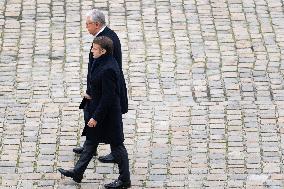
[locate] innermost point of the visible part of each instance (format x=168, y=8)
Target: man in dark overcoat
x=95, y=24
x=104, y=114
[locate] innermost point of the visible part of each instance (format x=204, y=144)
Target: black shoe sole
x=77, y=152
x=76, y=179
x=121, y=187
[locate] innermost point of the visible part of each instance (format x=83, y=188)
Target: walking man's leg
x=121, y=158
x=77, y=173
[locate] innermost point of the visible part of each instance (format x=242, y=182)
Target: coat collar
x=101, y=30
x=102, y=60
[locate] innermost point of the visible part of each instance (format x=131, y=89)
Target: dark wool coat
x=117, y=54
x=105, y=82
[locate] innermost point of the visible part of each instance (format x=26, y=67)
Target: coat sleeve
x=88, y=80
x=117, y=52
x=108, y=95
x=91, y=59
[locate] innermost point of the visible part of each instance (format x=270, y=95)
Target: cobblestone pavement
x=206, y=89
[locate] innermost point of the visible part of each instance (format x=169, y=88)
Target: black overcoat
x=105, y=104
x=117, y=54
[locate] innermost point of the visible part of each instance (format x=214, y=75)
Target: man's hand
x=92, y=123
x=87, y=96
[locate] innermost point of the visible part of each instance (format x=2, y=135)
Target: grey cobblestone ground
x=206, y=89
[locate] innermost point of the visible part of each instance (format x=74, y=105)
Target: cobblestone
x=205, y=84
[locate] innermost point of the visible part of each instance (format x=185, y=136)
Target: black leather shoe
x=70, y=173
x=107, y=159
x=118, y=184
x=78, y=150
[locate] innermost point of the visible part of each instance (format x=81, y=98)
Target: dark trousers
x=119, y=153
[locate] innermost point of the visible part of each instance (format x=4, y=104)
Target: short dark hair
x=105, y=43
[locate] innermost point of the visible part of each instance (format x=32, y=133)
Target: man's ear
x=97, y=24
x=103, y=51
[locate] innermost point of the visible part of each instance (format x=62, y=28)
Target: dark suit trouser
x=86, y=156
x=119, y=153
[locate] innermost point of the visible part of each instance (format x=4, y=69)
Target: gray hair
x=97, y=16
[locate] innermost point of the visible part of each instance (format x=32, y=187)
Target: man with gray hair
x=96, y=26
